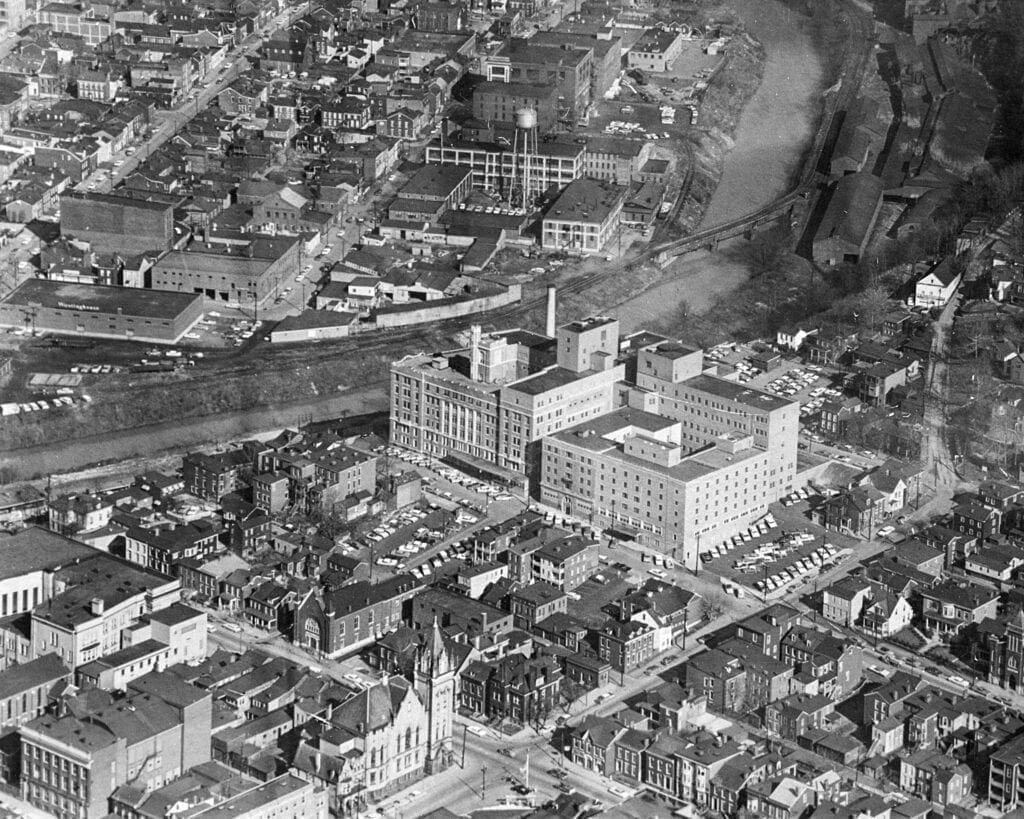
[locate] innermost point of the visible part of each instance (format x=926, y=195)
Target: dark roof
x=36, y=549
x=435, y=181
x=851, y=210
x=19, y=678
x=95, y=298
x=314, y=319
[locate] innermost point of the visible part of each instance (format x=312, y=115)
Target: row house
x=837, y=664
x=794, y=716
x=625, y=646
x=593, y=743
x=163, y=549
x=515, y=688
x=950, y=606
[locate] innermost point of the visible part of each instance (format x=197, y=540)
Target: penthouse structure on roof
x=506, y=391
x=692, y=458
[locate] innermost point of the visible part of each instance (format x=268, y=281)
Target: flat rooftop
x=554, y=148
x=35, y=549
x=731, y=391
x=251, y=802
x=517, y=89
x=103, y=577
x=547, y=380
x=435, y=181
x=586, y=200
x=590, y=435
x=673, y=350
x=120, y=199
x=96, y=298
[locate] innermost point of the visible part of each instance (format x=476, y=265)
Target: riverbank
x=153, y=439
x=753, y=166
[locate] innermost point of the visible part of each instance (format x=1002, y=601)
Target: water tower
x=523, y=150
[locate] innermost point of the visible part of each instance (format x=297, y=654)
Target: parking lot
x=434, y=536
x=779, y=553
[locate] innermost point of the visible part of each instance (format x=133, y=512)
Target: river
x=775, y=129
x=779, y=121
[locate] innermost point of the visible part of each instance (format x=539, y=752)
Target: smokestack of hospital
x=549, y=325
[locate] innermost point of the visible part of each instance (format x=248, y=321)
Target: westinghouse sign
x=65, y=305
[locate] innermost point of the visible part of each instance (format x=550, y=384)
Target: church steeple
x=435, y=685
x=433, y=656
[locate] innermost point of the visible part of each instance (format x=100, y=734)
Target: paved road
x=938, y=463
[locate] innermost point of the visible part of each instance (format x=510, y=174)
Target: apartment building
x=1006, y=776
x=25, y=690
x=71, y=765
x=495, y=399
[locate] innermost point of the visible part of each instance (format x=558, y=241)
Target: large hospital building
x=506, y=391
x=676, y=455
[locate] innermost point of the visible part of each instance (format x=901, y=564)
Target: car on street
x=233, y=627
x=504, y=752
x=958, y=680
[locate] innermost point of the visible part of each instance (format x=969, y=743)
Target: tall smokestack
x=549, y=325
x=474, y=352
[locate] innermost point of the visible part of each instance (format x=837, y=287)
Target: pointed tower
x=435, y=685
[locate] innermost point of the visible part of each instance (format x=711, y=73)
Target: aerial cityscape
x=512, y=409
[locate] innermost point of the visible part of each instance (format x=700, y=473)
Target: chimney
x=96, y=606
x=549, y=325
x=474, y=352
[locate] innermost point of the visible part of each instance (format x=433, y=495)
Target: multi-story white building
x=497, y=168
x=584, y=217
x=101, y=597
x=693, y=459
x=506, y=391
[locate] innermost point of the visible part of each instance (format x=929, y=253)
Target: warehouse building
x=100, y=311
x=849, y=220
x=584, y=217
x=247, y=275
x=112, y=223
x=499, y=102
x=496, y=169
